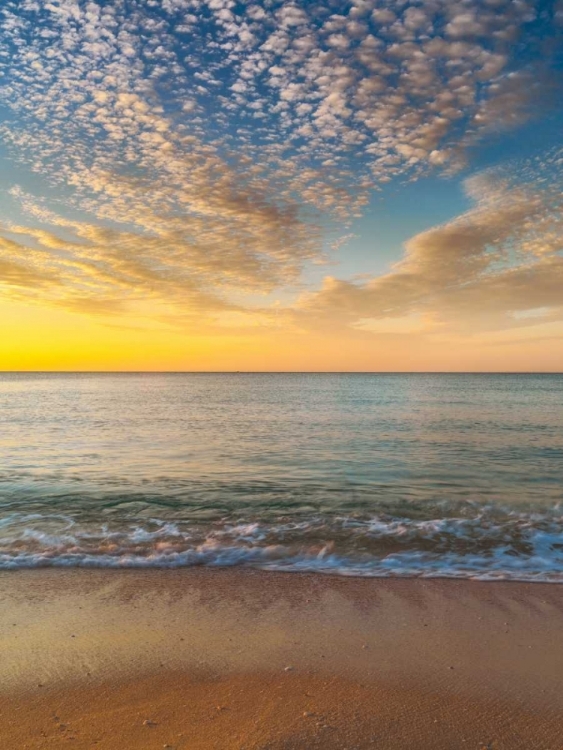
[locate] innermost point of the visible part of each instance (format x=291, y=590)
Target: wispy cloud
x=481, y=270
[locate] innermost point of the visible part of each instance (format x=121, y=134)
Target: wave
x=490, y=544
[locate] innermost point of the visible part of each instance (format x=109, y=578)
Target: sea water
x=457, y=475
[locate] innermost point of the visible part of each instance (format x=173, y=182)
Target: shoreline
x=240, y=658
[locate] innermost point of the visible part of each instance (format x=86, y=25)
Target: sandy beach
x=198, y=659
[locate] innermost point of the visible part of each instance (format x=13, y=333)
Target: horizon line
x=281, y=372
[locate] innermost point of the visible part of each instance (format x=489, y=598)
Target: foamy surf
x=489, y=545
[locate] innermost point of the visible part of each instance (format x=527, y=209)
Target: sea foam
x=489, y=545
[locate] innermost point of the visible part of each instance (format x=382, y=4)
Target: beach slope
x=199, y=659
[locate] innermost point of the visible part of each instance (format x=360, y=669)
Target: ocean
x=416, y=475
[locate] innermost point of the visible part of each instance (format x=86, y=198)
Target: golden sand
x=198, y=659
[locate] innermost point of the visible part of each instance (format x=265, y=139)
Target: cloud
x=22, y=270
x=211, y=150
x=96, y=270
x=485, y=269
x=376, y=77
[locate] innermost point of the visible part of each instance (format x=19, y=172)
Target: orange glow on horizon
x=43, y=339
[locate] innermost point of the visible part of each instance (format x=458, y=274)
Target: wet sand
x=196, y=659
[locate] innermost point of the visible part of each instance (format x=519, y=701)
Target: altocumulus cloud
x=213, y=149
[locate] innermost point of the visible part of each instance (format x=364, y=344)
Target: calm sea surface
x=409, y=475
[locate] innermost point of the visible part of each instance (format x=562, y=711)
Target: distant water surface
x=410, y=475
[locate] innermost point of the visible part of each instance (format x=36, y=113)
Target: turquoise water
x=412, y=475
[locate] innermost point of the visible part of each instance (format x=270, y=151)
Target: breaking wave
x=486, y=543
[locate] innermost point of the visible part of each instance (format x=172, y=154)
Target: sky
x=374, y=185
